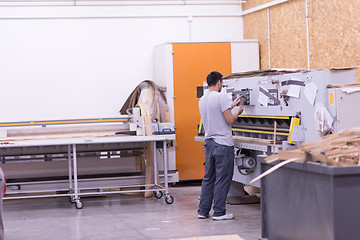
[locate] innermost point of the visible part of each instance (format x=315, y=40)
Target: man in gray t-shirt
x=216, y=116
x=212, y=105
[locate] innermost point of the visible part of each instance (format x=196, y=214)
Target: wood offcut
x=340, y=149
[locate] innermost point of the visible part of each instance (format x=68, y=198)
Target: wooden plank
x=145, y=102
x=53, y=130
x=319, y=156
x=241, y=139
x=283, y=155
x=139, y=163
x=60, y=136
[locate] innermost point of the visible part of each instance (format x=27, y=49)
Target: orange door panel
x=192, y=63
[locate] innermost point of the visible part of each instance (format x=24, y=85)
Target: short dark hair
x=213, y=78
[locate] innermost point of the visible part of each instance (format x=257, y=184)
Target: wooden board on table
x=241, y=139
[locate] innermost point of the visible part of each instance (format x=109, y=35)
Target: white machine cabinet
x=342, y=105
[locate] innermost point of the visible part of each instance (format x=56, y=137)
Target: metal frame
x=74, y=190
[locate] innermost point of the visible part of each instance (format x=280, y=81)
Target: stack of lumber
x=340, y=149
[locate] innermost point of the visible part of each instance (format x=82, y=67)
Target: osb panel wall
x=255, y=27
x=288, y=35
x=334, y=32
x=259, y=32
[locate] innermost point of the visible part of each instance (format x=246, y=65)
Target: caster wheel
x=71, y=199
x=158, y=194
x=169, y=199
x=79, y=205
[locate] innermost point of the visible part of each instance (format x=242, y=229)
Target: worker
x=217, y=118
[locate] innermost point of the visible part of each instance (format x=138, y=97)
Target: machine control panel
x=245, y=94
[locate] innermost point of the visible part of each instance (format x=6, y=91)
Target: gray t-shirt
x=212, y=105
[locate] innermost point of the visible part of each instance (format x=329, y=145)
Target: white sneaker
x=202, y=216
x=227, y=216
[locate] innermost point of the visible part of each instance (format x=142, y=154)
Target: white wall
x=64, y=62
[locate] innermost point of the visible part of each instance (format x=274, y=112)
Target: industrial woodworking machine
x=286, y=108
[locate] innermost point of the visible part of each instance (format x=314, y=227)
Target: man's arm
x=231, y=117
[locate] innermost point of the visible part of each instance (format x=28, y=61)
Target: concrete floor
x=125, y=216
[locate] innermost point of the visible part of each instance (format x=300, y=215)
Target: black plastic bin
x=310, y=201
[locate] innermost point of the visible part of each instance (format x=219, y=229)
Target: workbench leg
x=78, y=204
x=71, y=190
x=157, y=193
x=168, y=198
x=165, y=167
x=155, y=166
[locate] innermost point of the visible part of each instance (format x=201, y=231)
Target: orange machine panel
x=192, y=63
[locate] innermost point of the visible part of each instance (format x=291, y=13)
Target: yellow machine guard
x=294, y=122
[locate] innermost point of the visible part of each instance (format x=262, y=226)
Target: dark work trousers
x=219, y=164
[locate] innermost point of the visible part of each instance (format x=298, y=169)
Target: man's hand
x=232, y=117
x=236, y=102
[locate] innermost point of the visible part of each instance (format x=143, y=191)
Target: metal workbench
x=73, y=190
